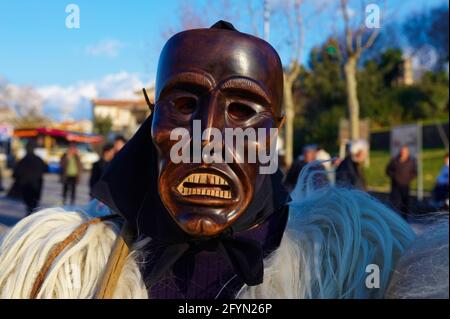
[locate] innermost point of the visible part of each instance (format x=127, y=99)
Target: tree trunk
x=290, y=114
x=352, y=95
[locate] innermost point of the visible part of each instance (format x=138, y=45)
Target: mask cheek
x=160, y=135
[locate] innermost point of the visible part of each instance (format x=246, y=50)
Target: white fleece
x=333, y=234
x=76, y=271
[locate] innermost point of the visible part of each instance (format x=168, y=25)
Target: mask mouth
x=205, y=185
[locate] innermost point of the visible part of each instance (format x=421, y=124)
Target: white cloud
x=73, y=101
x=120, y=85
x=109, y=48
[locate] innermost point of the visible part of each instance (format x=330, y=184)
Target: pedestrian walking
x=71, y=170
x=402, y=170
x=28, y=175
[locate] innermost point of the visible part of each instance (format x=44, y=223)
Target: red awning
x=76, y=137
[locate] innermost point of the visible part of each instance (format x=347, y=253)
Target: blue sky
x=38, y=49
x=118, y=43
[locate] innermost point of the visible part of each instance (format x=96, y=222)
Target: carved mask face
x=224, y=79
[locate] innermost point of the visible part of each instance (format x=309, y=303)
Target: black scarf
x=129, y=187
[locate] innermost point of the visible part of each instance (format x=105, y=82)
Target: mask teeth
x=206, y=179
x=202, y=190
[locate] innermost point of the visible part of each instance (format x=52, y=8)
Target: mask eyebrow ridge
x=189, y=78
x=245, y=84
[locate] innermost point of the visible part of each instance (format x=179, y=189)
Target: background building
x=125, y=115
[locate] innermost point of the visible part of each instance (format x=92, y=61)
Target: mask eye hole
x=240, y=111
x=185, y=105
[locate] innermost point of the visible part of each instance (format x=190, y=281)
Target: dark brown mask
x=225, y=79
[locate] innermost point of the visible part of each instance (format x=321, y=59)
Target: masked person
x=186, y=226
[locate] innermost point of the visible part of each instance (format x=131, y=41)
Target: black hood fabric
x=129, y=187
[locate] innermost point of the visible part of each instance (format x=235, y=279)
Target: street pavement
x=11, y=211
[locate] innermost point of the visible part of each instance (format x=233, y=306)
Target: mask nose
x=210, y=117
x=211, y=114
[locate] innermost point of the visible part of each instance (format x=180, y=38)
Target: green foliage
x=320, y=97
x=102, y=125
x=435, y=87
x=321, y=101
x=389, y=66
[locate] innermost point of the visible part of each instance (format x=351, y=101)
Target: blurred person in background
x=71, y=169
x=309, y=155
x=402, y=170
x=440, y=191
x=336, y=161
x=119, y=142
x=1, y=180
x=28, y=175
x=350, y=172
x=325, y=157
x=99, y=167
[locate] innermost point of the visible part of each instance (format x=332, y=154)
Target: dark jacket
x=401, y=174
x=29, y=171
x=97, y=171
x=350, y=174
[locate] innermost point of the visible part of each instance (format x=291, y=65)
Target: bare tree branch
x=361, y=29
x=252, y=14
x=357, y=37
x=347, y=29
x=373, y=36
x=299, y=26
x=291, y=26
